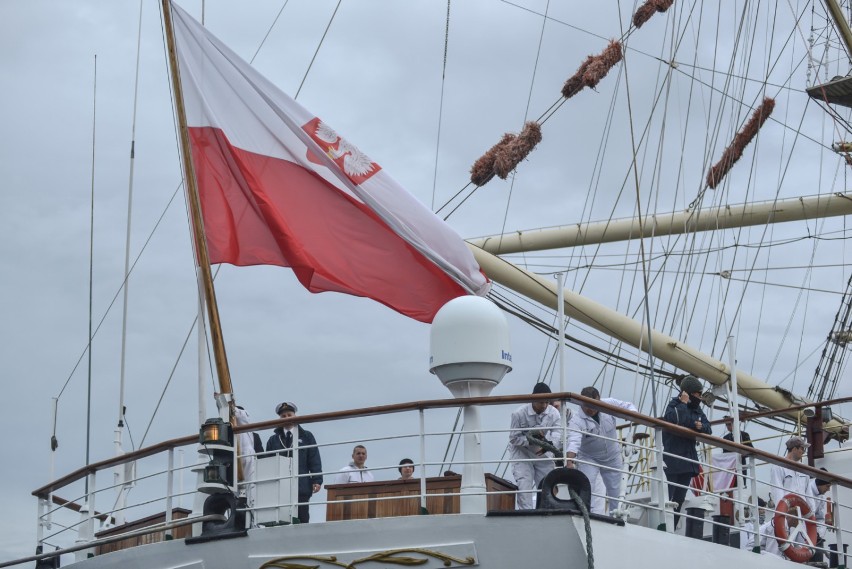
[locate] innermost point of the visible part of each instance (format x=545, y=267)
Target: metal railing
x=643, y=472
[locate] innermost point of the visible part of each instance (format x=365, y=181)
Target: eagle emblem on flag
x=357, y=166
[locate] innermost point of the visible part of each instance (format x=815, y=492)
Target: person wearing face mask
x=685, y=411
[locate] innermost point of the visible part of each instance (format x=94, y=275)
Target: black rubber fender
x=571, y=477
x=224, y=504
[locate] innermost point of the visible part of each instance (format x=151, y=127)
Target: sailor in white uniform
x=747, y=532
x=593, y=440
x=785, y=481
x=816, y=500
x=532, y=462
x=246, y=452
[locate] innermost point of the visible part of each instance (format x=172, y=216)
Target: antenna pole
x=219, y=355
x=91, y=272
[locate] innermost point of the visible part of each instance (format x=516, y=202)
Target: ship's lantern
x=215, y=473
x=216, y=432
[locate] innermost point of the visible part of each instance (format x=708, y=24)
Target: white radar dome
x=469, y=349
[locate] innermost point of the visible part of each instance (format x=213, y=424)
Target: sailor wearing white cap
x=786, y=481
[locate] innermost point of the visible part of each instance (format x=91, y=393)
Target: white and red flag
x=280, y=187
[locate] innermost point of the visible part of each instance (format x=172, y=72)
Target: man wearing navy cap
x=310, y=464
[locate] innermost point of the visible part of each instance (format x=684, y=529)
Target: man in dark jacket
x=310, y=465
x=685, y=411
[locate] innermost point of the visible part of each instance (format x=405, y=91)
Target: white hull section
x=505, y=542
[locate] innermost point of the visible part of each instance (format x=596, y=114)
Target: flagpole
x=222, y=371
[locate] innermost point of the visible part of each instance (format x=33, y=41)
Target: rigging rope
x=322, y=39
x=269, y=31
x=441, y=104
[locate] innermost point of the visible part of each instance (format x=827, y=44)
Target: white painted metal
x=469, y=346
x=735, y=416
x=560, y=346
x=274, y=492
x=473, y=499
x=470, y=354
x=422, y=460
x=170, y=487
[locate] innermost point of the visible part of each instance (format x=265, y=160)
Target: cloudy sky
x=377, y=79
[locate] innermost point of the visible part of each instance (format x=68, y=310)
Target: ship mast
x=203, y=258
x=673, y=223
x=629, y=331
x=841, y=24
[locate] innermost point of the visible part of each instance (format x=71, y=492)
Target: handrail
x=754, y=415
x=71, y=505
x=631, y=416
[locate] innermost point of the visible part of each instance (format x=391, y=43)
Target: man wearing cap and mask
x=541, y=421
x=310, y=465
x=685, y=411
x=817, y=488
x=785, y=481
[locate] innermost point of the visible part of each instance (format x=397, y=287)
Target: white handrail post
x=735, y=417
x=422, y=462
x=838, y=528
x=662, y=492
x=294, y=477
x=755, y=508
x=119, y=469
x=170, y=481
x=563, y=410
x=90, y=501
x=86, y=529
x=41, y=523
x=180, y=478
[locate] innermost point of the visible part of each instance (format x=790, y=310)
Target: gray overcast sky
x=377, y=81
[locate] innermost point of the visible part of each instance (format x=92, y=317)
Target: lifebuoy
x=794, y=552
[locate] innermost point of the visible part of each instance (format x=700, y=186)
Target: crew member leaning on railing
x=593, y=440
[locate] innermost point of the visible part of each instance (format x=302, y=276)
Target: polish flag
x=280, y=187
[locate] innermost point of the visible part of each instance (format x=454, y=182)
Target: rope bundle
x=735, y=151
x=648, y=9
x=505, y=156
x=593, y=69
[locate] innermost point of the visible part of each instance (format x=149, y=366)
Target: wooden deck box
x=390, y=498
x=177, y=533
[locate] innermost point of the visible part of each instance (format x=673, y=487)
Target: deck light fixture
x=217, y=432
x=216, y=473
